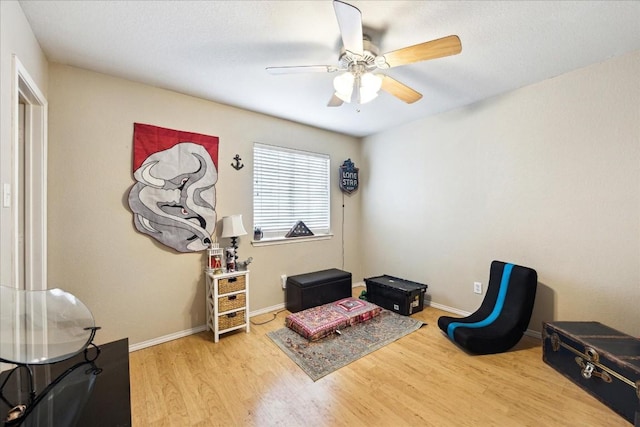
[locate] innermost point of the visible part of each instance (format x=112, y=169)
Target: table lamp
x=232, y=227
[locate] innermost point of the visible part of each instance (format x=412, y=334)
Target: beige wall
x=135, y=286
x=547, y=176
x=16, y=38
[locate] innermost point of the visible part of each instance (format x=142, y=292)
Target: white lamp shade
x=370, y=84
x=232, y=226
x=343, y=84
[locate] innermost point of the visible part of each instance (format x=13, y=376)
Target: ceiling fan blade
x=335, y=101
x=399, y=90
x=433, y=49
x=350, y=23
x=302, y=69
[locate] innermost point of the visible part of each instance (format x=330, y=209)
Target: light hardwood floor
x=419, y=380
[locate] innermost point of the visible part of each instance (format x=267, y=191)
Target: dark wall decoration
x=237, y=165
x=348, y=177
x=173, y=199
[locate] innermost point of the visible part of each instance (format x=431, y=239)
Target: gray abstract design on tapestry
x=173, y=199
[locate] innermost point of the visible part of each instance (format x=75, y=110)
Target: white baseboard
x=533, y=334
x=201, y=328
x=167, y=338
x=447, y=309
x=267, y=310
x=196, y=330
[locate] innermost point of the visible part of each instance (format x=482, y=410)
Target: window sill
x=286, y=240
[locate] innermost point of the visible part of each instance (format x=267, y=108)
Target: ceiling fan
x=359, y=58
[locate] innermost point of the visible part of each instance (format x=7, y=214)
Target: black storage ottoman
x=398, y=295
x=320, y=287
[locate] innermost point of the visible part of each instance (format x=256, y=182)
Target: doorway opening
x=29, y=178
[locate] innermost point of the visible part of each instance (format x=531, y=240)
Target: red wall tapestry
x=173, y=199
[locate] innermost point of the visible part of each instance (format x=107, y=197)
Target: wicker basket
x=230, y=320
x=231, y=284
x=231, y=302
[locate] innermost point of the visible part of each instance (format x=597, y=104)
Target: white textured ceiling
x=218, y=50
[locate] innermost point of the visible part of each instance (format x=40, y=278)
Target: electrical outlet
x=283, y=281
x=477, y=287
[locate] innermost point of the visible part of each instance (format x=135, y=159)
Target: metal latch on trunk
x=589, y=370
x=555, y=342
x=592, y=354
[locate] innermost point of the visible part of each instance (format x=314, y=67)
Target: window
x=289, y=186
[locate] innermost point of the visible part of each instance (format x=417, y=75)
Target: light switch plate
x=6, y=195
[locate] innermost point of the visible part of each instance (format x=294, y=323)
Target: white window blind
x=290, y=186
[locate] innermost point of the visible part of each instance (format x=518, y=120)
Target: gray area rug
x=324, y=356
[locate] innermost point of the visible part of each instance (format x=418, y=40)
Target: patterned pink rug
x=321, y=357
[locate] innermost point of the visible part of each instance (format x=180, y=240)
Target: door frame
x=35, y=176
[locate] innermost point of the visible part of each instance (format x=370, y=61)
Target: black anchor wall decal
x=237, y=166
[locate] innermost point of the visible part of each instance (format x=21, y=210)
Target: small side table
x=227, y=302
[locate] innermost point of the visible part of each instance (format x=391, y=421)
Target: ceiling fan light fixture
x=366, y=87
x=343, y=84
x=366, y=96
x=359, y=57
x=370, y=85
